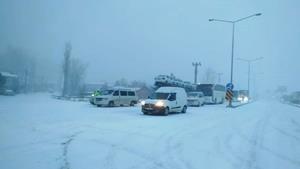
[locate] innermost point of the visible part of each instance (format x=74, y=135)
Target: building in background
x=9, y=83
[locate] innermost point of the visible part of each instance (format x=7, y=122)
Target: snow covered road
x=38, y=132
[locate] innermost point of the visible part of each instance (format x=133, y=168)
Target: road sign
x=229, y=95
x=229, y=86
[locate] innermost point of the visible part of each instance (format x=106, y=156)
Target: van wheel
x=167, y=111
x=111, y=104
x=184, y=109
x=132, y=103
x=199, y=104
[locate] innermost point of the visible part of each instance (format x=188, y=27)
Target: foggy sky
x=138, y=39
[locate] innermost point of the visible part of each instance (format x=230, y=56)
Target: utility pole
x=196, y=64
x=67, y=56
x=26, y=81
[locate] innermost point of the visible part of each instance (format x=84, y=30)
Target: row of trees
x=20, y=62
x=125, y=83
x=73, y=74
x=33, y=78
x=210, y=76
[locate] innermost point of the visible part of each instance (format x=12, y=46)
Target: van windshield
x=107, y=92
x=161, y=96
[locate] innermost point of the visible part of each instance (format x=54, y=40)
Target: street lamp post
x=232, y=45
x=249, y=61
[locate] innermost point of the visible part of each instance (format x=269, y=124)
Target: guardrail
x=71, y=98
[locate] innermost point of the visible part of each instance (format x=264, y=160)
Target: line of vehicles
x=164, y=100
x=171, y=80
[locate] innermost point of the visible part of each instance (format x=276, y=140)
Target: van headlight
x=143, y=102
x=159, y=104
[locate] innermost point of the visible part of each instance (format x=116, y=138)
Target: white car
x=166, y=100
x=195, y=99
x=116, y=97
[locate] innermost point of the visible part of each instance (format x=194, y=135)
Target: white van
x=195, y=99
x=116, y=97
x=166, y=100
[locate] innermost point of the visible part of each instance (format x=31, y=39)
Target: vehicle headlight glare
x=246, y=99
x=159, y=104
x=143, y=102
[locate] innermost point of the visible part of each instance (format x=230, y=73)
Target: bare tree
x=122, y=82
x=281, y=90
x=76, y=77
x=137, y=84
x=210, y=76
x=66, y=67
x=18, y=61
x=73, y=74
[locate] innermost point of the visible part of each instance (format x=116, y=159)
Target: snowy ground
x=38, y=132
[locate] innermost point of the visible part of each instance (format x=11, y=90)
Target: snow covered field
x=38, y=132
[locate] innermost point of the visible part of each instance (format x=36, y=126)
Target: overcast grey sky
x=138, y=39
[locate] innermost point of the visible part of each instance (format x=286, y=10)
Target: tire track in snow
x=255, y=142
x=66, y=144
x=144, y=156
x=287, y=134
x=114, y=148
x=175, y=147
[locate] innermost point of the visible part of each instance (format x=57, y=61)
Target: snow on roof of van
x=7, y=74
x=123, y=88
x=169, y=89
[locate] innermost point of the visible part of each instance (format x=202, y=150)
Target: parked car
x=240, y=96
x=196, y=99
x=166, y=100
x=116, y=97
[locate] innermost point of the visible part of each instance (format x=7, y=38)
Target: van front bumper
x=101, y=101
x=153, y=110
